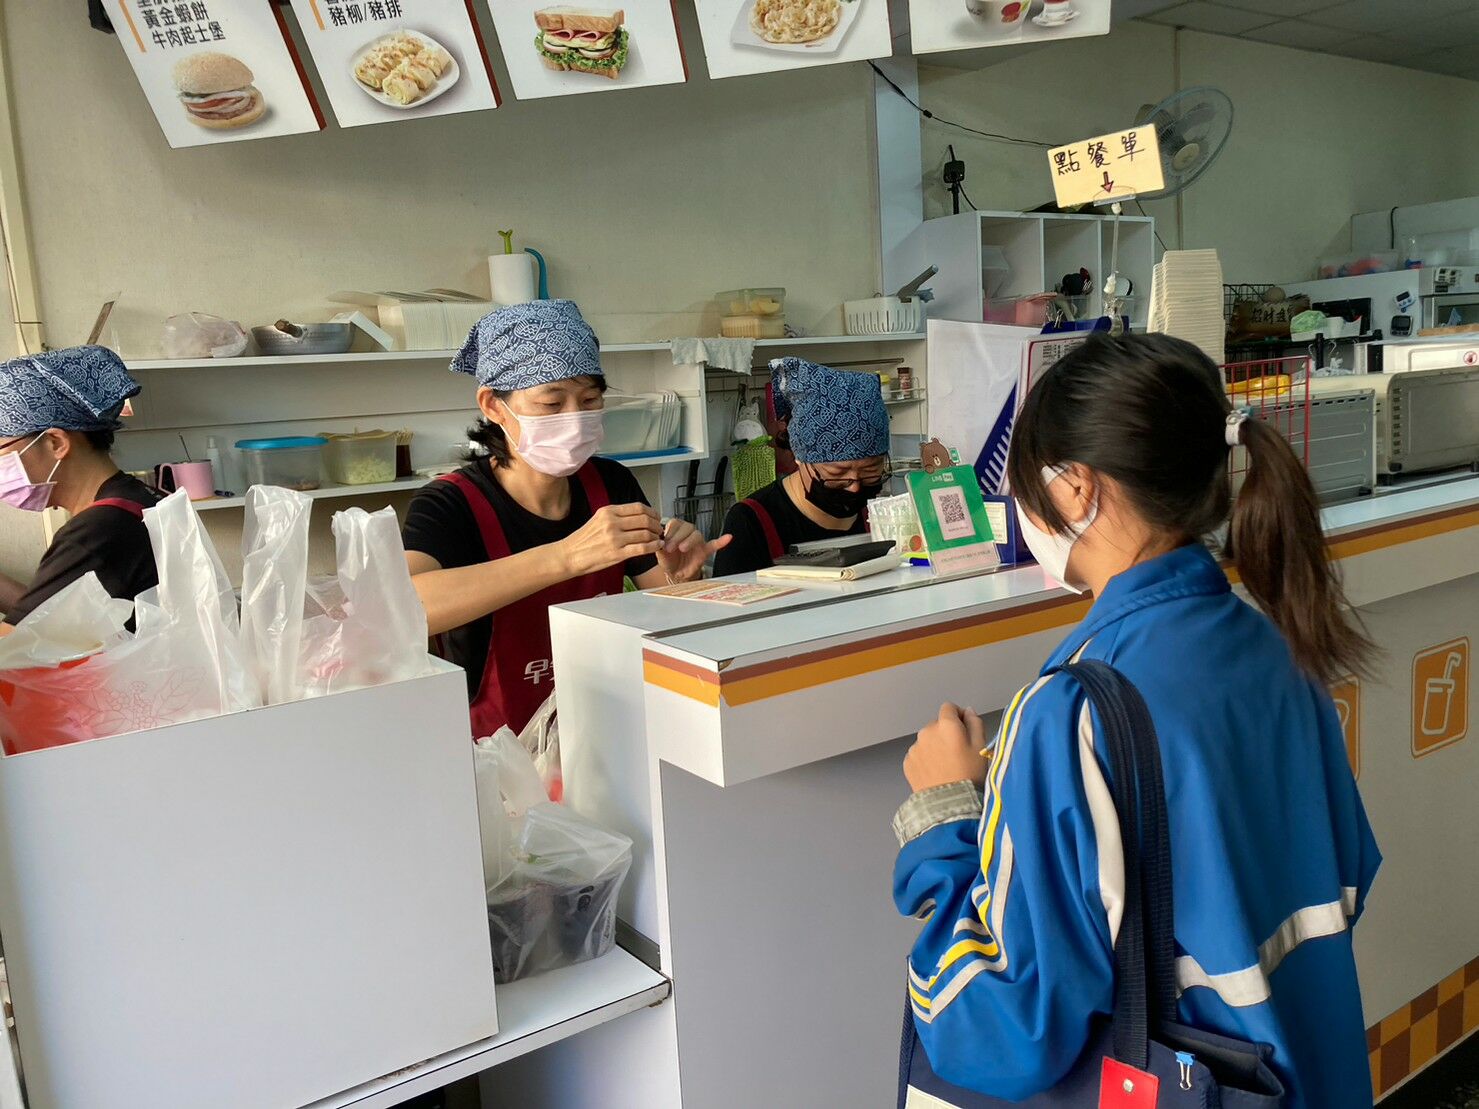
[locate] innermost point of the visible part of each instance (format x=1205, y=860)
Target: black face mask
x=841, y=504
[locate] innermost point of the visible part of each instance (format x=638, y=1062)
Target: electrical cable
x=968, y=199
x=1158, y=238
x=927, y=114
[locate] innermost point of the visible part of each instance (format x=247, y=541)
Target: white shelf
x=359, y=358
x=327, y=492
x=411, y=484
x=533, y=1013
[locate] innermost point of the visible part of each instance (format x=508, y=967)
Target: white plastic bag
x=274, y=576
x=201, y=335
x=369, y=628
x=541, y=738
x=183, y=662
x=553, y=876
x=78, y=620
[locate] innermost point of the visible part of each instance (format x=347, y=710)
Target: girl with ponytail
x=1119, y=463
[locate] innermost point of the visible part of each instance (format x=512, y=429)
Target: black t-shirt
x=748, y=550
x=108, y=540
x=440, y=523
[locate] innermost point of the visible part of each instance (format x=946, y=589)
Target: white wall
x=645, y=202
x=1316, y=138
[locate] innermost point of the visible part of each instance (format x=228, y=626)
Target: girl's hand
x=948, y=750
x=684, y=551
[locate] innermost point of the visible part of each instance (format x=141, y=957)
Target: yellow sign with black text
x=1108, y=168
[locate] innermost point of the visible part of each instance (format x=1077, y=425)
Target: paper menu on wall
x=554, y=49
x=722, y=592
x=215, y=71
x=386, y=60
x=763, y=36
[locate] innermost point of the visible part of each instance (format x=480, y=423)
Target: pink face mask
x=559, y=445
x=16, y=487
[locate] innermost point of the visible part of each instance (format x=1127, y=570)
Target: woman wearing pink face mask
x=58, y=413
x=536, y=520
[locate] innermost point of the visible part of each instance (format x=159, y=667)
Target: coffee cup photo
x=975, y=24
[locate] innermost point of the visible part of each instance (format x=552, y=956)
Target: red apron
x=519, y=673
x=767, y=525
x=133, y=508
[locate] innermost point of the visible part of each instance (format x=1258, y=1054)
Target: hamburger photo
x=217, y=91
x=583, y=40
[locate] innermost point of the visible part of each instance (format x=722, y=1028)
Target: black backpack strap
x=1145, y=984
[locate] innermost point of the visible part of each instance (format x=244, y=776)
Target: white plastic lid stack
x=1186, y=300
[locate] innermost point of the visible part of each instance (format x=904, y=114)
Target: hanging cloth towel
x=735, y=355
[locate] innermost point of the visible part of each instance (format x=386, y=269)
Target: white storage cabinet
x=248, y=912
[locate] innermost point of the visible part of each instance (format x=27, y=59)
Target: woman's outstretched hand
x=948, y=750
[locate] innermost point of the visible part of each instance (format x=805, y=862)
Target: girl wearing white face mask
x=536, y=520
x=1119, y=465
x=58, y=413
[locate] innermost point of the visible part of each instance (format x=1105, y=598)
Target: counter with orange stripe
x=826, y=671
x=753, y=757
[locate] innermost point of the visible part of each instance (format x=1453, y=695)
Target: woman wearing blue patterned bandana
x=536, y=520
x=838, y=430
x=58, y=413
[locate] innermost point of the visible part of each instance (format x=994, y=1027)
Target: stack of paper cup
x=514, y=278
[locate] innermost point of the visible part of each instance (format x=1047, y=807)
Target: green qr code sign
x=953, y=519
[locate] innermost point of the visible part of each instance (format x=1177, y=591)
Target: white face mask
x=1050, y=550
x=559, y=445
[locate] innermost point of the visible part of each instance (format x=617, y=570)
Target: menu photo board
x=215, y=71
x=763, y=36
x=563, y=50
x=936, y=25
x=386, y=60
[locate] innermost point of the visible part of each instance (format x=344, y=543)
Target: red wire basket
x=1276, y=391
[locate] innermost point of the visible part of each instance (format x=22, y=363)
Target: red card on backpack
x=1124, y=1087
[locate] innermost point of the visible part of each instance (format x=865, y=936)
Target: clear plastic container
x=626, y=423
x=1031, y=311
x=362, y=458
x=293, y=463
x=752, y=313
x=753, y=327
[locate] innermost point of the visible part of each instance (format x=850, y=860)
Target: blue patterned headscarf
x=836, y=415
x=531, y=344
x=76, y=389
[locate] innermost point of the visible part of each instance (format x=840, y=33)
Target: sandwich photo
x=583, y=40
x=217, y=91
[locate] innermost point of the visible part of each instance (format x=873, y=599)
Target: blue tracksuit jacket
x=1271, y=853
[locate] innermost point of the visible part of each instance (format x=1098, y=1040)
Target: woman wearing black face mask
x=838, y=429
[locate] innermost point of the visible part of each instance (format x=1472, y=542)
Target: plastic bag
x=77, y=621
x=201, y=335
x=541, y=738
x=368, y=626
x=183, y=662
x=274, y=577
x=553, y=876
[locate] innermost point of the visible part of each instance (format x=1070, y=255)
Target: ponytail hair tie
x=1233, y=429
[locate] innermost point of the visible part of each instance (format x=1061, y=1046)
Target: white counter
x=753, y=756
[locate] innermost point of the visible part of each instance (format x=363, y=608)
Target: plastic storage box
x=363, y=458
x=294, y=463
x=752, y=313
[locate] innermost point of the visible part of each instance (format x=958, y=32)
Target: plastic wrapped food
x=201, y=335
x=552, y=876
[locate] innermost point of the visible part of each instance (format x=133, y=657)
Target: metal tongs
x=912, y=290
